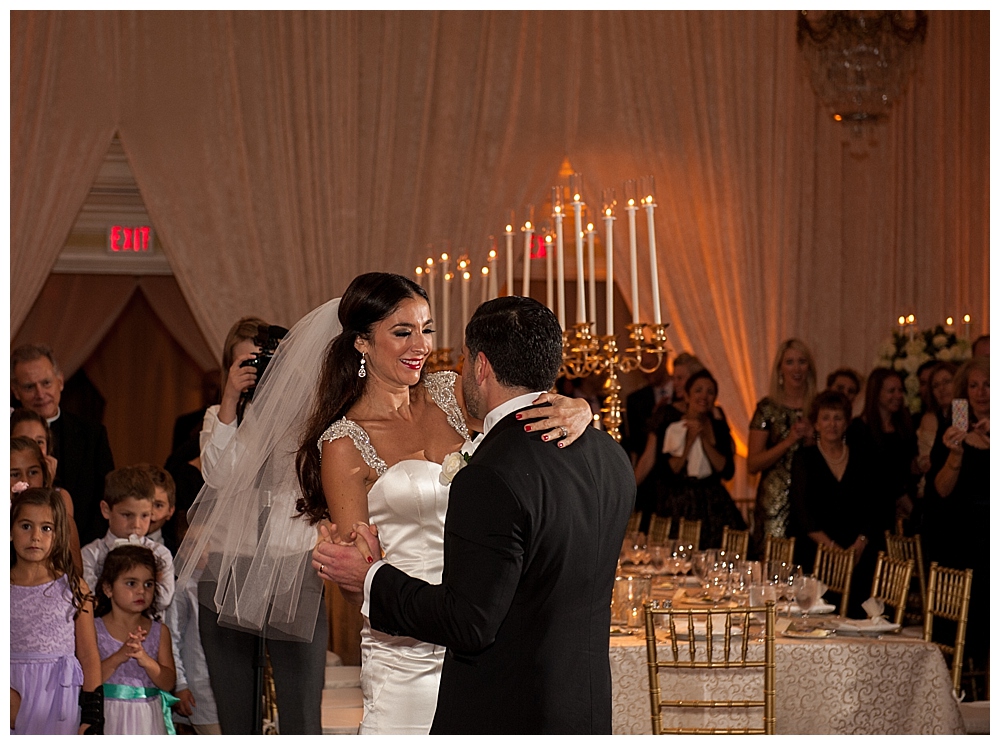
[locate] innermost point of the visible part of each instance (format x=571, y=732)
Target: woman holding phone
x=959, y=524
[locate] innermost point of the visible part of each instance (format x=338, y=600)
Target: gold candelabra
x=586, y=354
x=438, y=360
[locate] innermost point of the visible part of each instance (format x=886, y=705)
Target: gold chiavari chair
x=659, y=530
x=833, y=568
x=948, y=592
x=735, y=541
x=779, y=549
x=728, y=650
x=689, y=532
x=903, y=547
x=891, y=583
x=633, y=523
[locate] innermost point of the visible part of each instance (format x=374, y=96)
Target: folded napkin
x=674, y=440
x=874, y=609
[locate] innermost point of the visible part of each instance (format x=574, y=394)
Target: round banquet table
x=839, y=685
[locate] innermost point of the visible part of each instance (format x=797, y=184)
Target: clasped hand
x=346, y=562
x=133, y=646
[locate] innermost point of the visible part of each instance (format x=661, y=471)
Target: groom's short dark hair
x=522, y=340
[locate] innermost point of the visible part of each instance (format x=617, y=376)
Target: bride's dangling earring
x=362, y=372
x=781, y=380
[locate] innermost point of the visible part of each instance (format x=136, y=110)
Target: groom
x=531, y=544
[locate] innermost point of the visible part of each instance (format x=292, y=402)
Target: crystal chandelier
x=860, y=60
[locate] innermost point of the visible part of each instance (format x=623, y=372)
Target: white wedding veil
x=245, y=535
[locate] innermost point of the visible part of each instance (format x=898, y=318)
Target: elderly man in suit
x=80, y=446
x=532, y=538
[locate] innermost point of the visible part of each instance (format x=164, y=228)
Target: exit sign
x=135, y=239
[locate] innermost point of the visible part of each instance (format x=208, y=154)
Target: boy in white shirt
x=128, y=508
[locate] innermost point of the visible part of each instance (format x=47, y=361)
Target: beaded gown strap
x=441, y=386
x=347, y=428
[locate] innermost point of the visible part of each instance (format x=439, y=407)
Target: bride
x=369, y=451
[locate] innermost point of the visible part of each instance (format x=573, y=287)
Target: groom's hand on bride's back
x=346, y=563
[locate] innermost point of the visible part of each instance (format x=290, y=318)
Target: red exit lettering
x=126, y=239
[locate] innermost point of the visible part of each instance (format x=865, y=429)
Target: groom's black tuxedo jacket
x=531, y=543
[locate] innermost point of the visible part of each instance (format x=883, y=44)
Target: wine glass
x=806, y=593
x=794, y=572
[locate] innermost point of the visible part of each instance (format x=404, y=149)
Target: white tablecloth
x=889, y=686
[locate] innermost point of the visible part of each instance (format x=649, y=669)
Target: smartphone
x=960, y=413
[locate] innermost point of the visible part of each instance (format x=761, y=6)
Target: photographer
x=219, y=425
x=298, y=667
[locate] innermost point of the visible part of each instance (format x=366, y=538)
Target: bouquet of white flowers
x=905, y=355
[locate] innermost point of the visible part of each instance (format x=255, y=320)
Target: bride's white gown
x=408, y=503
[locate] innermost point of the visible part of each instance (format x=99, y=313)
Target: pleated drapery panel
x=281, y=153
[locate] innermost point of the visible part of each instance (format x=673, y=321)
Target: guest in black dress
x=652, y=469
x=884, y=432
x=831, y=494
x=700, y=451
x=958, y=534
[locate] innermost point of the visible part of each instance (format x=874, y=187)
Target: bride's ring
x=322, y=568
x=565, y=432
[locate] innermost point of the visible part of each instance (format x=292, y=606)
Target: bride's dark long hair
x=369, y=299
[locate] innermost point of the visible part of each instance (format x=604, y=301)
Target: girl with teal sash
x=137, y=663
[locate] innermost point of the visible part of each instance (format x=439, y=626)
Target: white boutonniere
x=452, y=464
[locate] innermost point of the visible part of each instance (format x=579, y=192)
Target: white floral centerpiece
x=905, y=355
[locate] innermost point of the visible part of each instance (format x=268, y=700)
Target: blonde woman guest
x=778, y=428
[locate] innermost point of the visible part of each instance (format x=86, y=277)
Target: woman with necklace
x=831, y=493
x=777, y=430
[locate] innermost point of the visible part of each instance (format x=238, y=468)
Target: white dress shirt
x=95, y=552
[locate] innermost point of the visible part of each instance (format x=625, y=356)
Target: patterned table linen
x=889, y=686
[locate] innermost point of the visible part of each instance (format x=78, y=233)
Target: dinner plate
x=820, y=608
x=866, y=627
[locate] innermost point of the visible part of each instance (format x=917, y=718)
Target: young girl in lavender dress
x=53, y=644
x=137, y=664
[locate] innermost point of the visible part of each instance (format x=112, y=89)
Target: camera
x=267, y=340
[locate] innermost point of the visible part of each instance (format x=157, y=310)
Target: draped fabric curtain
x=281, y=153
x=73, y=313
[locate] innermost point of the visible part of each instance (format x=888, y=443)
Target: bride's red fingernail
x=527, y=427
x=518, y=416
x=370, y=559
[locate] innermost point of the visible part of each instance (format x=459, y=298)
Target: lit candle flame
x=430, y=262
x=527, y=224
x=949, y=321
x=493, y=254
x=576, y=197
x=509, y=229
x=444, y=257
x=466, y=275
x=485, y=270
x=910, y=318
x=548, y=239
x=631, y=203
x=420, y=270
x=590, y=227
x=967, y=318
x=557, y=209
x=607, y=212
x=902, y=321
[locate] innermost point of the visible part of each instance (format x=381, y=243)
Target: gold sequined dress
x=773, y=508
